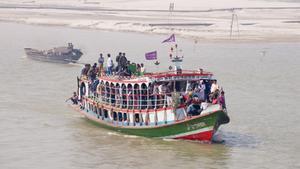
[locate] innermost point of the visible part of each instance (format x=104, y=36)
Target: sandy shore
x=201, y=22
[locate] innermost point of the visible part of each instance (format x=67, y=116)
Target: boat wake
x=113, y=134
x=131, y=136
x=170, y=140
x=218, y=138
x=122, y=135
x=233, y=139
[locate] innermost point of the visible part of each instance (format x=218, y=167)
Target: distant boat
x=57, y=55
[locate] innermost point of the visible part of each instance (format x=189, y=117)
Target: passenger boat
x=131, y=105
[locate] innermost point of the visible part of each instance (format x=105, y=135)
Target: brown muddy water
x=38, y=130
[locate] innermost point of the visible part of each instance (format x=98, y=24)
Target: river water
x=38, y=130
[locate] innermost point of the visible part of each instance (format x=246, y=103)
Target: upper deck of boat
x=159, y=77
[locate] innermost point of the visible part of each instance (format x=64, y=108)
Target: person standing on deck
x=214, y=91
x=168, y=93
x=92, y=74
x=100, y=63
x=202, y=90
x=85, y=70
x=207, y=89
x=109, y=65
x=122, y=63
x=143, y=69
x=118, y=61
x=155, y=94
x=214, y=87
x=221, y=100
x=138, y=70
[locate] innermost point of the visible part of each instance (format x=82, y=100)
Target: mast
x=171, y=9
x=176, y=59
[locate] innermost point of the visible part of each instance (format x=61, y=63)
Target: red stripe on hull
x=203, y=136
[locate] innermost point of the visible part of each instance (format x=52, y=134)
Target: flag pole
x=171, y=9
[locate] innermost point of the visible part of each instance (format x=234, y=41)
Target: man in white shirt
x=214, y=87
x=109, y=65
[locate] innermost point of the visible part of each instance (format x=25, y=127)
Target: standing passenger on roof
x=109, y=65
x=100, y=62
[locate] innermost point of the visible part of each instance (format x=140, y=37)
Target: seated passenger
x=204, y=105
x=132, y=68
x=85, y=70
x=194, y=108
x=188, y=98
x=214, y=99
x=74, y=98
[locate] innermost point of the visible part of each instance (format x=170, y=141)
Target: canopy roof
x=191, y=75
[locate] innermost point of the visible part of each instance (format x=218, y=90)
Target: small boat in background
x=57, y=55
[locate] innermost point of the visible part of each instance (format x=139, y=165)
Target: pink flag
x=151, y=55
x=170, y=39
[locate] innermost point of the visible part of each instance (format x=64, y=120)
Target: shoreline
x=247, y=24
x=192, y=39
x=90, y=8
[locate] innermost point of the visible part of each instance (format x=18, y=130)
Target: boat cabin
x=148, y=100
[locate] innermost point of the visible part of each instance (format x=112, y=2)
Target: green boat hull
x=200, y=127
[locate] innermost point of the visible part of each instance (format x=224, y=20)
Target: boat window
x=137, y=118
x=112, y=94
x=102, y=91
x=118, y=95
x=136, y=97
x=144, y=94
x=130, y=97
x=99, y=112
x=125, y=116
x=107, y=92
x=115, y=117
x=105, y=113
x=124, y=96
x=120, y=117
x=95, y=109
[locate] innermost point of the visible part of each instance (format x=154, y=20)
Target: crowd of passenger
x=193, y=96
x=200, y=94
x=122, y=68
